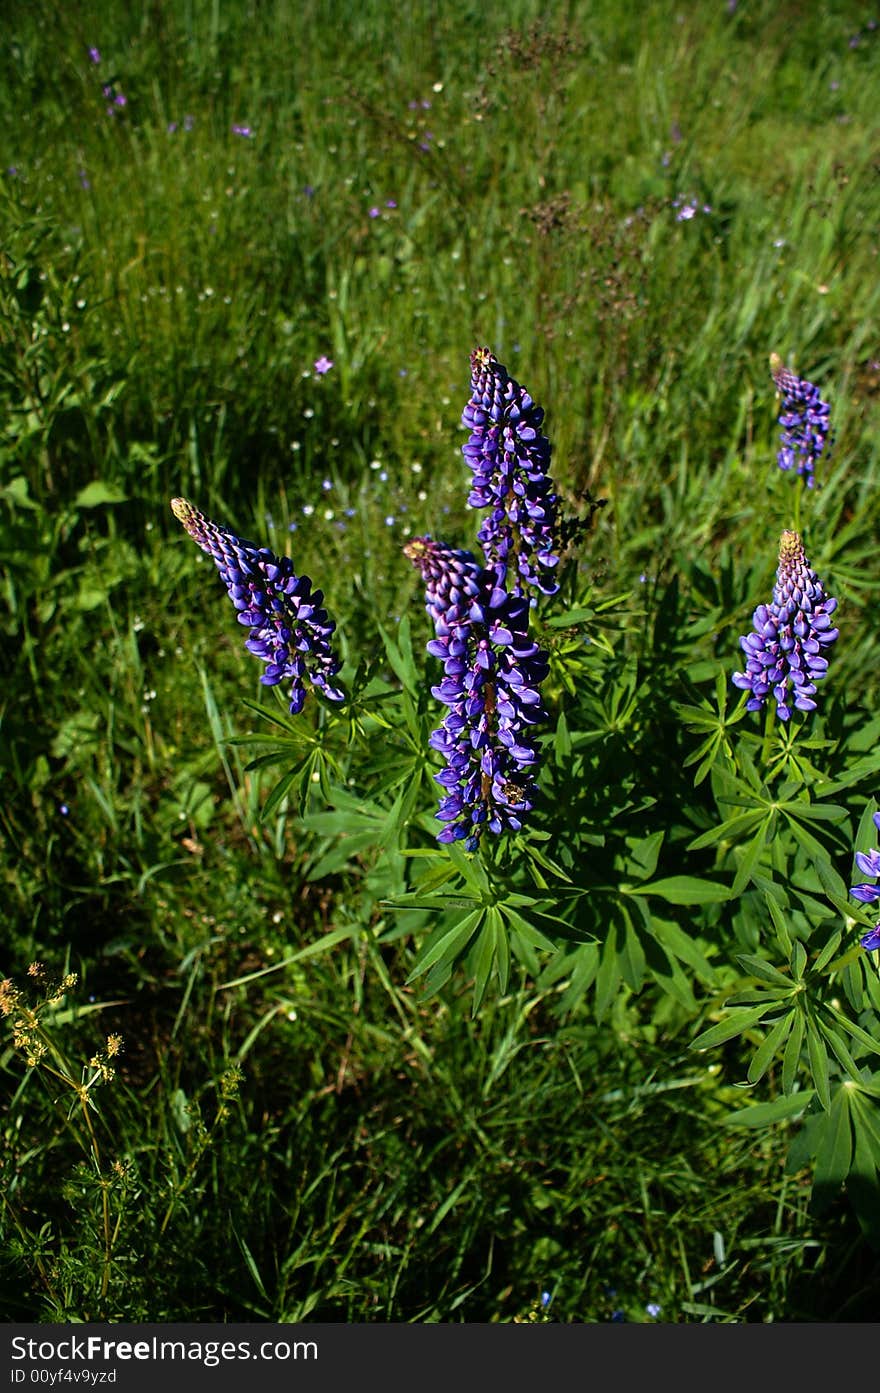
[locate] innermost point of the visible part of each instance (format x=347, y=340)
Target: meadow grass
x=295, y=1130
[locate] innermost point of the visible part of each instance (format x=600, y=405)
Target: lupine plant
x=545, y=861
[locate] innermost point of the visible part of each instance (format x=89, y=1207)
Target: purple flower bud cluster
x=492, y=671
x=804, y=418
x=784, y=652
x=869, y=863
x=289, y=630
x=452, y=578
x=509, y=457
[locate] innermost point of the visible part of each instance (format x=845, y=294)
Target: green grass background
x=165, y=294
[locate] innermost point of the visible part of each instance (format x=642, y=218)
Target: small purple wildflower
x=784, y=651
x=492, y=673
x=172, y=127
x=83, y=179
x=309, y=190
x=289, y=631
x=95, y=55
x=120, y=99
x=871, y=941
x=390, y=203
x=244, y=131
x=323, y=364
x=804, y=421
x=653, y=1309
x=373, y=213
x=63, y=809
x=510, y=457
x=688, y=208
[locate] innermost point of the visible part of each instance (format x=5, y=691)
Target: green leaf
x=98, y=492
x=684, y=890
x=856, y=1031
x=764, y=1114
x=792, y=1055
x=527, y=931
x=834, y=1156
x=450, y=946
x=748, y=862
x=737, y=1022
x=757, y=967
x=400, y=657
x=839, y=1047
x=682, y=946
x=608, y=976
x=827, y=952
x=779, y=923
x=728, y=831
x=769, y=1047
x=866, y=1121
x=631, y=959
x=818, y=1056
x=485, y=949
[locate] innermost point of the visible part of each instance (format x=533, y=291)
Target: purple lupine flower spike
x=784, y=652
x=492, y=674
x=289, y=630
x=804, y=418
x=510, y=457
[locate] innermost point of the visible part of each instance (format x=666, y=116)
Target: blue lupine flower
x=492, y=673
x=784, y=652
x=804, y=418
x=869, y=863
x=289, y=630
x=509, y=457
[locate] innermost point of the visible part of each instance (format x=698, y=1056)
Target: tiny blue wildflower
x=63, y=809
x=509, y=458
x=871, y=941
x=289, y=631
x=804, y=418
x=545, y=1299
x=784, y=651
x=653, y=1309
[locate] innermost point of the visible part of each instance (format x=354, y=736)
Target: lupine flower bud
x=289, y=631
x=804, y=418
x=784, y=653
x=492, y=672
x=452, y=578
x=510, y=457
